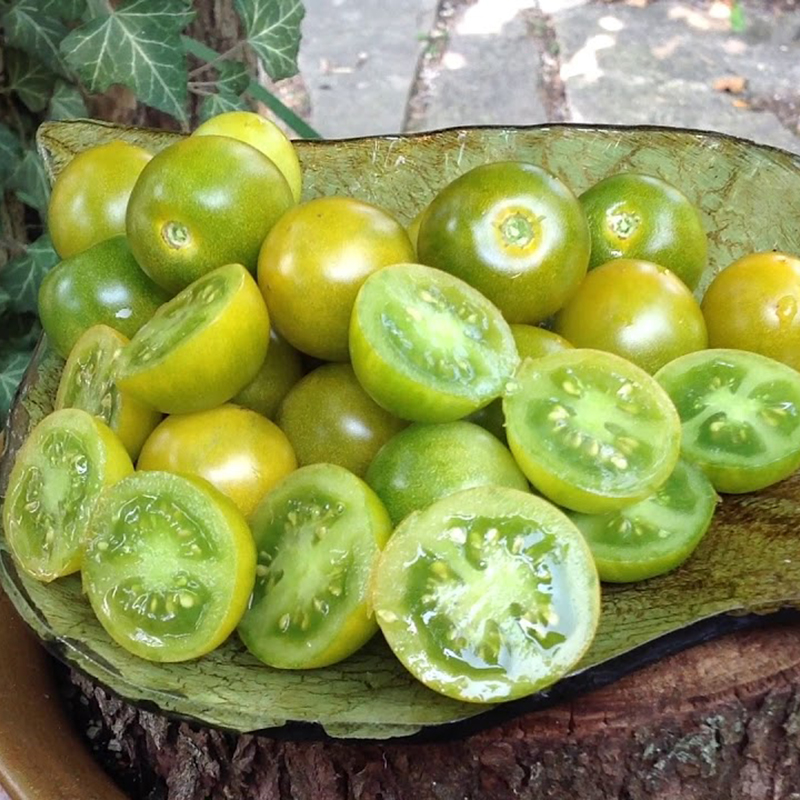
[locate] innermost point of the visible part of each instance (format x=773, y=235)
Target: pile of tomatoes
x=304, y=423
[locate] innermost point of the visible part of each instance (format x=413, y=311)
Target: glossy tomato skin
x=643, y=217
x=90, y=196
x=424, y=463
x=315, y=260
x=514, y=232
x=281, y=370
x=329, y=418
x=201, y=203
x=236, y=450
x=102, y=285
x=764, y=290
x=264, y=135
x=638, y=310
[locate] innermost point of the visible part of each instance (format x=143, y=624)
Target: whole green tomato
x=329, y=418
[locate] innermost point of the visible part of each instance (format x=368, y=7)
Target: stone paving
x=383, y=66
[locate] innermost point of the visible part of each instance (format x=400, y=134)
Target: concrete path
x=383, y=66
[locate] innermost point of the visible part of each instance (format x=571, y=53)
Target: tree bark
x=718, y=722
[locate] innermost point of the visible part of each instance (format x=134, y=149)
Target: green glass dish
x=747, y=565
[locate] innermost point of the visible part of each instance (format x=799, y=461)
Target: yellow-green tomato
x=90, y=196
x=282, y=369
x=638, y=310
x=264, y=135
x=315, y=260
x=754, y=304
x=236, y=450
x=330, y=419
x=534, y=342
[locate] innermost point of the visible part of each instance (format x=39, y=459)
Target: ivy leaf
x=233, y=77
x=34, y=27
x=13, y=364
x=10, y=154
x=29, y=182
x=220, y=103
x=22, y=276
x=67, y=102
x=5, y=300
x=141, y=51
x=167, y=16
x=30, y=79
x=272, y=28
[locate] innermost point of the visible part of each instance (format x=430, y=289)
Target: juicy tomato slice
x=427, y=346
x=592, y=431
x=740, y=414
x=59, y=472
x=318, y=534
x=200, y=348
x=426, y=462
x=88, y=382
x=169, y=566
x=487, y=595
x=655, y=535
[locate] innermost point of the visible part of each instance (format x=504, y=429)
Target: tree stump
x=720, y=721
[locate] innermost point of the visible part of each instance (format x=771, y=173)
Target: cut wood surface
x=720, y=721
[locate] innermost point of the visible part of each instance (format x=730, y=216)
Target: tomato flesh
x=655, y=535
x=88, y=381
x=487, y=595
x=428, y=347
x=591, y=431
x=318, y=535
x=66, y=461
x=169, y=566
x=740, y=414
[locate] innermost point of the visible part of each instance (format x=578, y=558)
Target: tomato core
x=176, y=235
x=623, y=224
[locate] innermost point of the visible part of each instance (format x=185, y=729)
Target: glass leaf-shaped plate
x=748, y=564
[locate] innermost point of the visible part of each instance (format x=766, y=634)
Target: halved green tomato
x=427, y=346
x=426, y=462
x=200, y=348
x=60, y=471
x=740, y=414
x=88, y=382
x=169, y=565
x=655, y=535
x=487, y=595
x=592, y=431
x=318, y=534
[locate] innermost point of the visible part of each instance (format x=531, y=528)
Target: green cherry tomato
x=638, y=310
x=655, y=535
x=740, y=414
x=754, y=304
x=643, y=217
x=318, y=534
x=201, y=203
x=58, y=475
x=102, y=285
x=590, y=430
x=487, y=595
x=169, y=566
x=88, y=381
x=329, y=418
x=514, y=232
x=236, y=450
x=90, y=196
x=424, y=463
x=427, y=346
x=413, y=230
x=264, y=135
x=200, y=348
x=315, y=260
x=282, y=369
